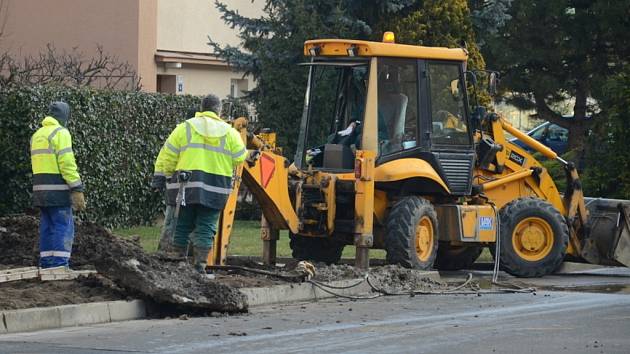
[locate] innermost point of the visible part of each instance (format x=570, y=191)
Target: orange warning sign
x=267, y=168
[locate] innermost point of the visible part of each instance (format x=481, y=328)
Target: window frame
x=307, y=111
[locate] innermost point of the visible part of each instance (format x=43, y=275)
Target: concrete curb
x=33, y=319
x=309, y=292
x=70, y=315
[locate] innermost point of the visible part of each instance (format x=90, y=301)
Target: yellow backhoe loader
x=394, y=153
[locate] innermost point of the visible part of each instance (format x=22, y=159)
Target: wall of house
x=186, y=28
x=124, y=28
x=204, y=79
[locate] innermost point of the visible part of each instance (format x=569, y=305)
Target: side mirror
x=493, y=81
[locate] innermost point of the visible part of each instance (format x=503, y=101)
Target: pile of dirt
x=19, y=241
x=34, y=293
x=126, y=264
x=391, y=278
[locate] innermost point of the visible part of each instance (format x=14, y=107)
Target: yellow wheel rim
x=532, y=239
x=424, y=238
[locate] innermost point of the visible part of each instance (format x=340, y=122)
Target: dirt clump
x=391, y=278
x=126, y=264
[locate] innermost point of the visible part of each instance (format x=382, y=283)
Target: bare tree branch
x=69, y=68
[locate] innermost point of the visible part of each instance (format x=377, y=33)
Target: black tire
x=400, y=237
x=533, y=209
x=451, y=257
x=316, y=249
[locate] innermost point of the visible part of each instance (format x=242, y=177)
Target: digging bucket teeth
x=609, y=230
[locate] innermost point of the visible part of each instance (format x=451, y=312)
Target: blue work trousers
x=56, y=234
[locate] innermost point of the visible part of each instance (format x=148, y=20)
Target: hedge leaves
x=116, y=138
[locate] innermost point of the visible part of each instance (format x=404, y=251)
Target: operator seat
x=393, y=106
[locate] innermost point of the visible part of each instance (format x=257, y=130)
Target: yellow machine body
x=306, y=200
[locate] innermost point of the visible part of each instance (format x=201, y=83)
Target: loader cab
x=421, y=108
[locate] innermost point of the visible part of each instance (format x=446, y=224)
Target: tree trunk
x=578, y=126
x=577, y=135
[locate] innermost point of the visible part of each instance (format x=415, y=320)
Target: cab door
x=450, y=137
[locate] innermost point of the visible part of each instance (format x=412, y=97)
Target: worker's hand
x=252, y=157
x=78, y=201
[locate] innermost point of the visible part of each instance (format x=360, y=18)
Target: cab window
x=448, y=115
x=397, y=104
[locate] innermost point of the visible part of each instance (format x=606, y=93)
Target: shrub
x=116, y=136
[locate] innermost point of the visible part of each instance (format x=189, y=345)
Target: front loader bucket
x=609, y=223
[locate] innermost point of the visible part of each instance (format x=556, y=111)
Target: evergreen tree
x=437, y=23
x=608, y=156
x=273, y=45
x=488, y=17
x=552, y=51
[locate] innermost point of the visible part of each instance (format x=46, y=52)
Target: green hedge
x=116, y=137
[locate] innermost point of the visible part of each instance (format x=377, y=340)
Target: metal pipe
x=531, y=142
x=514, y=176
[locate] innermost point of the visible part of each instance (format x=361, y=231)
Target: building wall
x=122, y=27
x=520, y=119
x=202, y=79
x=147, y=43
x=186, y=28
x=133, y=31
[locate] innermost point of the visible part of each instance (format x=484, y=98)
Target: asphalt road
x=547, y=322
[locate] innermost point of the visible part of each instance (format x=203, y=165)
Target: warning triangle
x=267, y=168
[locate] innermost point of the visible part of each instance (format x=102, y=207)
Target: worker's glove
x=158, y=183
x=252, y=157
x=78, y=201
x=348, y=130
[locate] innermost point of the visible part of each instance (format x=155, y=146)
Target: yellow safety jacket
x=209, y=148
x=54, y=168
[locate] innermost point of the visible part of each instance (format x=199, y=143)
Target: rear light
x=357, y=168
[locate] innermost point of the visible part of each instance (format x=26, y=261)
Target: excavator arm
x=598, y=227
x=265, y=173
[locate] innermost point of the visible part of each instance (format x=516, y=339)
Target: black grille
x=457, y=170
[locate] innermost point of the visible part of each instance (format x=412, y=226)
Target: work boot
x=178, y=251
x=201, y=260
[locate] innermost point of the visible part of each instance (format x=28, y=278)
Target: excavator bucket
x=610, y=229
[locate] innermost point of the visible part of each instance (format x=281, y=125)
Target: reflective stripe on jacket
x=54, y=168
x=210, y=149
